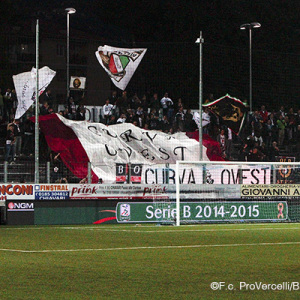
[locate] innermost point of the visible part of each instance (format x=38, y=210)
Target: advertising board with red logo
x=108, y=191
x=17, y=192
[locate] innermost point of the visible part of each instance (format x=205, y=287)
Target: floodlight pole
x=37, y=106
x=69, y=11
x=200, y=40
x=250, y=26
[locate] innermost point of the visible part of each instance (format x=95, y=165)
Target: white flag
x=25, y=85
x=205, y=119
x=77, y=83
x=120, y=63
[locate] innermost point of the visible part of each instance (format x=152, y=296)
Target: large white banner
x=120, y=63
x=126, y=143
x=25, y=85
x=207, y=174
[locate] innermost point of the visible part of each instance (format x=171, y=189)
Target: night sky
x=175, y=22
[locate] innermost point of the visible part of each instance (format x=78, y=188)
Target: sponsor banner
x=103, y=191
x=208, y=174
x=16, y=191
x=137, y=212
x=51, y=191
x=270, y=190
x=141, y=191
x=20, y=206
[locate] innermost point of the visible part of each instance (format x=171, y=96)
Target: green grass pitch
x=150, y=262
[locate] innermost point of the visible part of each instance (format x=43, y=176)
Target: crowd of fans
x=261, y=139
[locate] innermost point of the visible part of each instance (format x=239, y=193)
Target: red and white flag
x=80, y=142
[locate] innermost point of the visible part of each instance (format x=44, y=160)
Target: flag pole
x=200, y=41
x=36, y=131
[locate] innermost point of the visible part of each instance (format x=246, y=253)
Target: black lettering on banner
x=182, y=151
x=128, y=137
x=146, y=176
x=146, y=154
x=236, y=179
x=128, y=151
x=121, y=173
x=243, y=177
x=191, y=177
x=164, y=151
x=93, y=129
x=228, y=176
x=149, y=137
x=111, y=153
x=109, y=133
x=253, y=175
x=171, y=176
x=136, y=173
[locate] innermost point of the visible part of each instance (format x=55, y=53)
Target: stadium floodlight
x=250, y=26
x=69, y=11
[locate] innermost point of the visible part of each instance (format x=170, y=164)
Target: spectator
x=264, y=114
x=28, y=145
x=229, y=144
x=144, y=104
x=122, y=119
x=166, y=102
x=14, y=101
x=205, y=120
x=179, y=104
x=153, y=122
x=281, y=124
x=113, y=98
x=80, y=113
x=190, y=124
x=72, y=108
x=222, y=140
x=10, y=143
x=281, y=112
x=44, y=109
x=47, y=97
x=18, y=133
x=107, y=110
x=66, y=114
x=154, y=102
x=8, y=106
x=255, y=155
x=57, y=170
x=274, y=151
x=112, y=120
x=123, y=103
x=165, y=124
